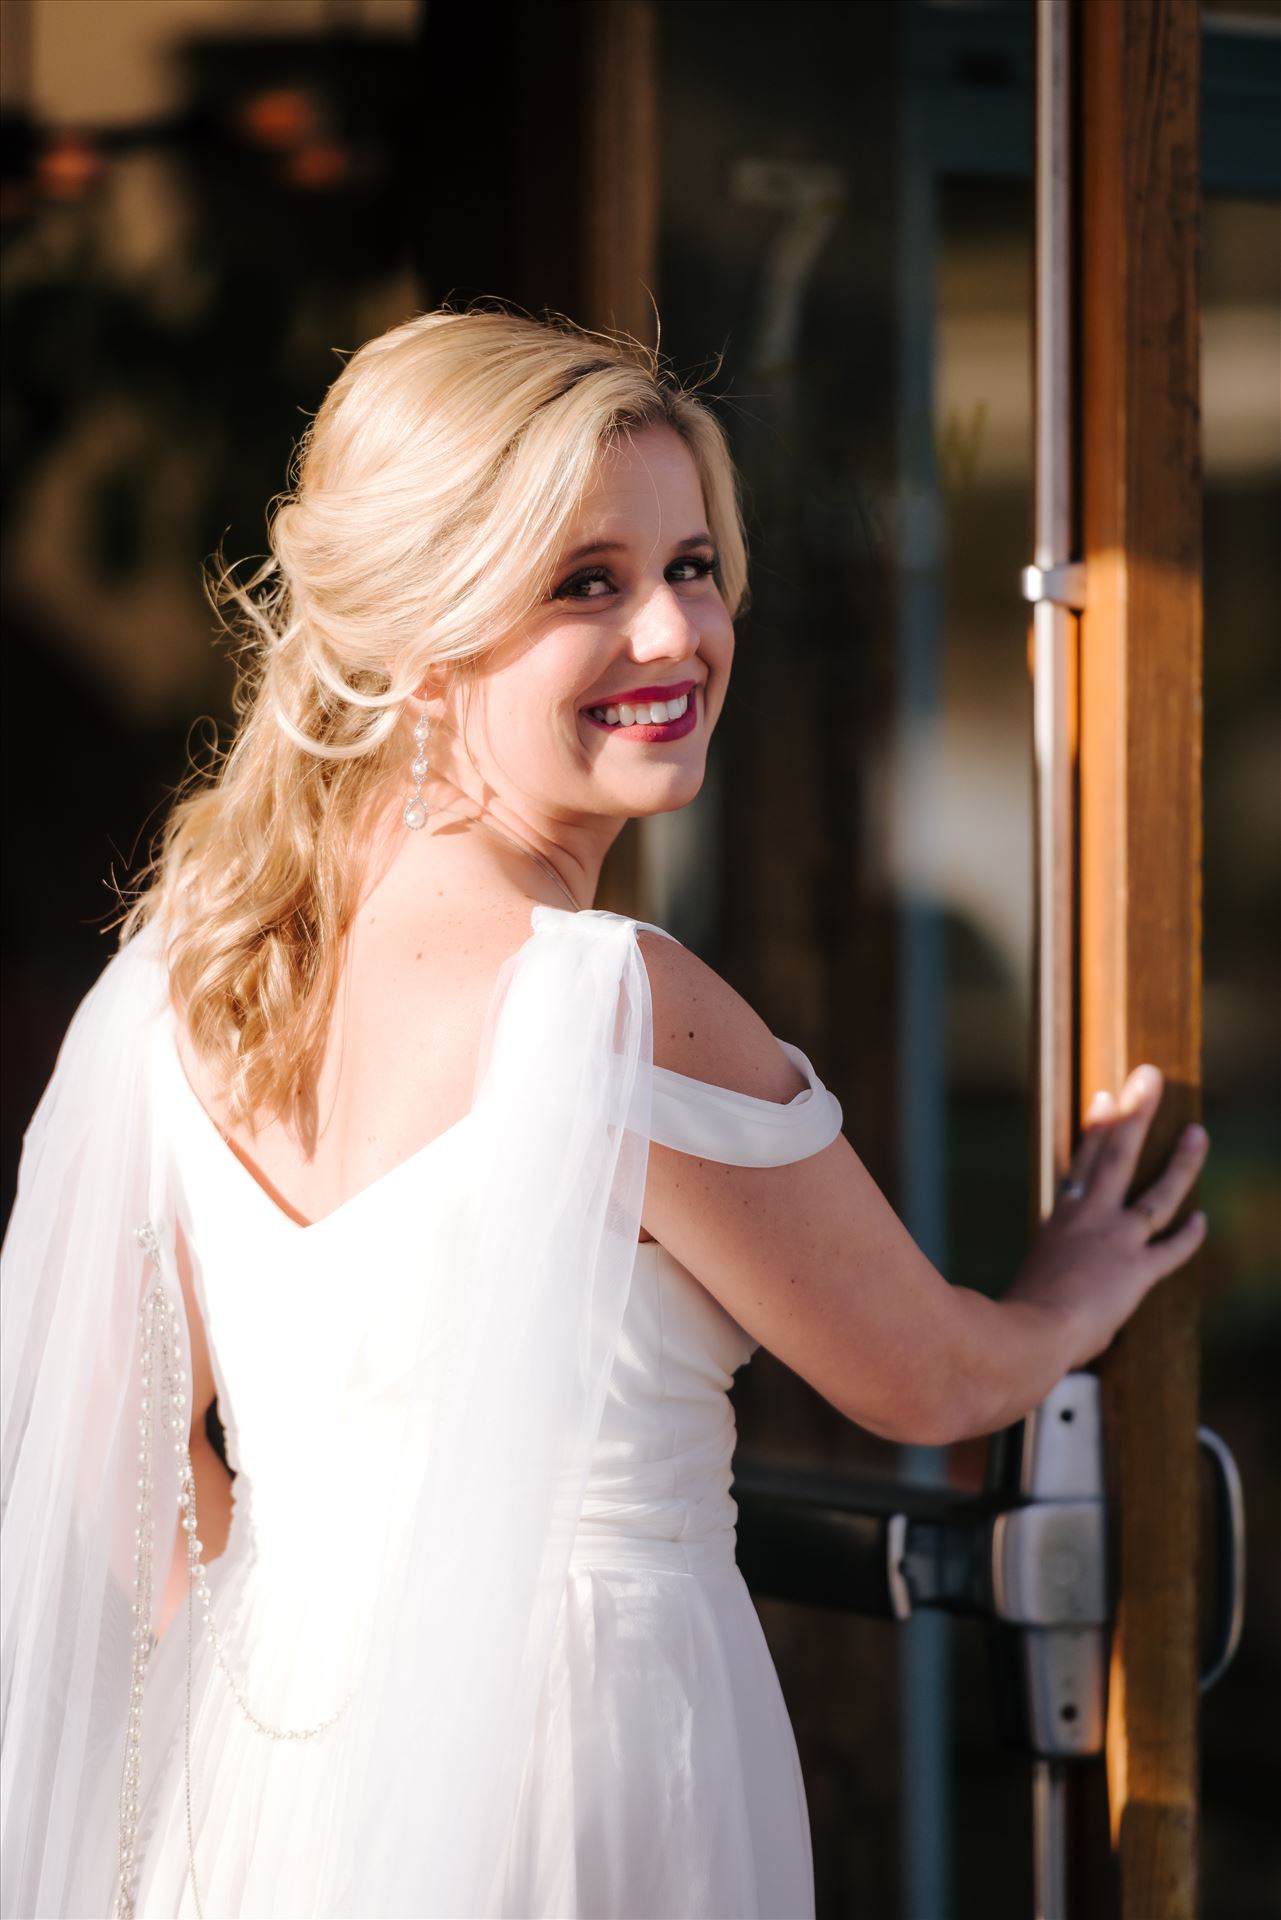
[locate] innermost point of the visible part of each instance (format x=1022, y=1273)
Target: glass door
x=846, y=216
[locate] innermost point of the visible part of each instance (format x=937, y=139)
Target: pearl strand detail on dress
x=159, y=1356
x=143, y=1639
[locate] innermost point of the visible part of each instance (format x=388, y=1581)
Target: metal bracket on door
x=1051, y=1593
x=1061, y=586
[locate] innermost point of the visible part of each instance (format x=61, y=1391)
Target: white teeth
x=646, y=714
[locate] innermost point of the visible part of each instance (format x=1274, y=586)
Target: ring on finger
x=1070, y=1188
x=1148, y=1211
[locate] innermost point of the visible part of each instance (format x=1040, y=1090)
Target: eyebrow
x=620, y=546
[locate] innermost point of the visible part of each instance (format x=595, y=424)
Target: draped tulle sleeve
x=463, y=1631
x=452, y=1654
x=72, y=1276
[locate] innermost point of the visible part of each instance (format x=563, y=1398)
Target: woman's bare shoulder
x=706, y=1030
x=808, y=1257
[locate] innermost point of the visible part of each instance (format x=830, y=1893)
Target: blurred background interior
x=206, y=201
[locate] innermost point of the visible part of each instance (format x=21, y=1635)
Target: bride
x=464, y=1200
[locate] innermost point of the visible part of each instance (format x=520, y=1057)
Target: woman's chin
x=667, y=789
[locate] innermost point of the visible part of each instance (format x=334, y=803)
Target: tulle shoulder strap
x=719, y=1123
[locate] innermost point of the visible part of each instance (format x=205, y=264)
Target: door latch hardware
x=1028, y=1556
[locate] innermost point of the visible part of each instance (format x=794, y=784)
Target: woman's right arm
x=811, y=1260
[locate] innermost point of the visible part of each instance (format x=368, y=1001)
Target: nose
x=664, y=627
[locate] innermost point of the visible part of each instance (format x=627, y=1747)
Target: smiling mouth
x=652, y=720
x=626, y=713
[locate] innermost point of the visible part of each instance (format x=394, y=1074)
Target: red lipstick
x=671, y=692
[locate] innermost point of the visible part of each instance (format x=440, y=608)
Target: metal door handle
x=1229, y=1556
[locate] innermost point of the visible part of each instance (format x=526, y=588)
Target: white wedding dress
x=661, y=1780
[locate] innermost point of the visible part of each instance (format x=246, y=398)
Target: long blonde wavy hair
x=432, y=494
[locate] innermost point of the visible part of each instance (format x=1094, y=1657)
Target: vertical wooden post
x=620, y=235
x=619, y=263
x=556, y=207
x=1140, y=814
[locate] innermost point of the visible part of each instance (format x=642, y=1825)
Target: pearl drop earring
x=415, y=813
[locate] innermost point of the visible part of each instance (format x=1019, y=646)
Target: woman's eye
x=579, y=585
x=570, y=589
x=701, y=566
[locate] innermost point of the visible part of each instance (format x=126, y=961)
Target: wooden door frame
x=1140, y=698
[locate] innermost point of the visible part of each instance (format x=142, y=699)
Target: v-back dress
x=663, y=1780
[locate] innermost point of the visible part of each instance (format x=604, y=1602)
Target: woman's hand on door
x=1095, y=1256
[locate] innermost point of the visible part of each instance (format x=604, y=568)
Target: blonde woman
x=466, y=1200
